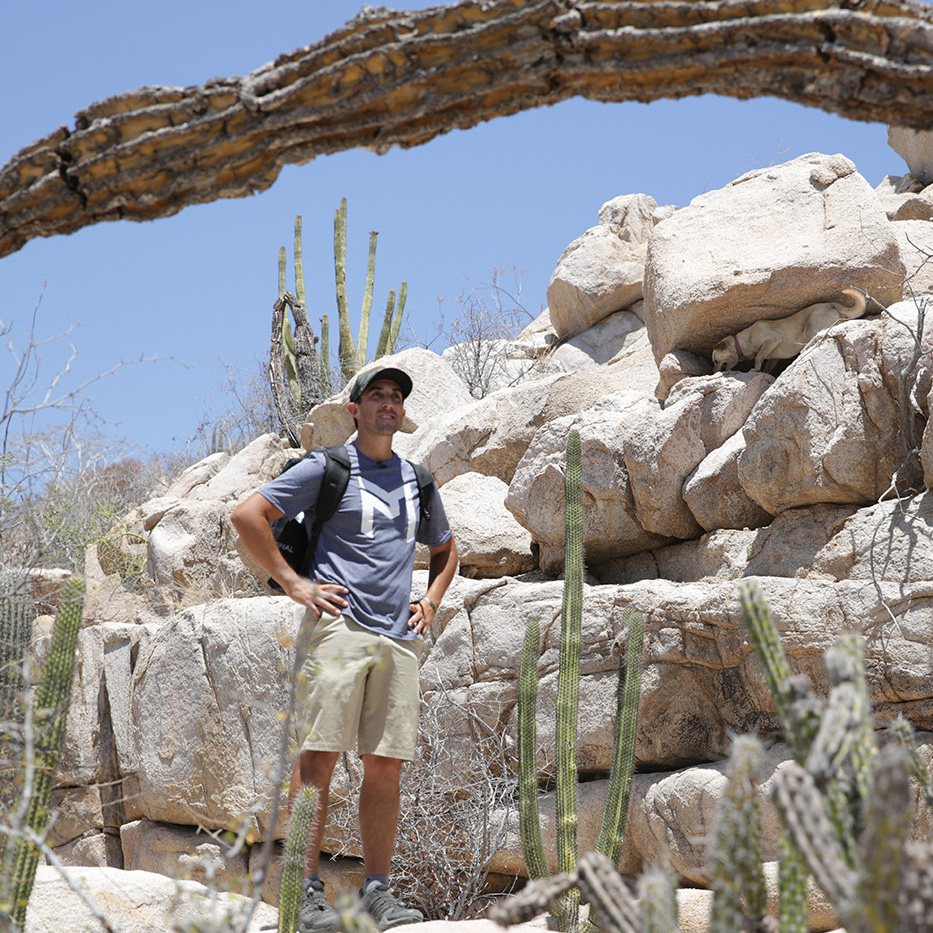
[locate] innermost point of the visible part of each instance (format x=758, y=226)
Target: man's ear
x=353, y=408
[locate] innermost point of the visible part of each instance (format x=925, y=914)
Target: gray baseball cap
x=401, y=379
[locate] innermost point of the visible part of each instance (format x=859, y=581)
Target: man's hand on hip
x=318, y=597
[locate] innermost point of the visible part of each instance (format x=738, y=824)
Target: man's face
x=380, y=409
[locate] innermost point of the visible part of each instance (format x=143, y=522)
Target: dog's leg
x=764, y=351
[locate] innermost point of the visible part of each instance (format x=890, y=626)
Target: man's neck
x=376, y=448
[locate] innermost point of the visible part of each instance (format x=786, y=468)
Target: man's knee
x=381, y=768
x=315, y=768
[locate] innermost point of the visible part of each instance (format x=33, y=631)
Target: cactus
x=299, y=362
x=611, y=832
x=392, y=322
x=529, y=816
x=736, y=850
x=657, y=893
x=904, y=733
x=296, y=844
x=612, y=829
x=568, y=677
x=51, y=703
x=17, y=615
x=352, y=354
x=844, y=805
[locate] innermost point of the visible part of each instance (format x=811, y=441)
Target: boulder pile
x=812, y=479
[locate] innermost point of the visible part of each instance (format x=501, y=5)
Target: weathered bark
x=389, y=78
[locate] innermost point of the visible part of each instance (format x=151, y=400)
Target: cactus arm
x=608, y=896
x=803, y=813
x=657, y=894
x=766, y=640
x=296, y=843
x=529, y=817
x=397, y=320
x=736, y=852
x=904, y=733
x=568, y=678
x=383, y=344
x=282, y=263
x=299, y=262
x=53, y=695
x=346, y=350
x=362, y=338
x=792, y=886
x=612, y=830
x=325, y=355
x=887, y=825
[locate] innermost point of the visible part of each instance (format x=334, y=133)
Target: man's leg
x=315, y=768
x=379, y=802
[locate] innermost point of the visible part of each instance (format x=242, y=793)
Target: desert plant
x=457, y=795
x=614, y=816
x=844, y=805
x=352, y=353
x=299, y=372
x=296, y=844
x=44, y=737
x=17, y=616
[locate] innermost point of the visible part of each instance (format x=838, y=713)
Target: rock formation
x=812, y=480
x=388, y=78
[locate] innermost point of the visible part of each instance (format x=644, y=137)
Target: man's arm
x=252, y=519
x=441, y=571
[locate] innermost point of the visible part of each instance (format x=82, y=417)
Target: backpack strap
x=334, y=484
x=426, y=490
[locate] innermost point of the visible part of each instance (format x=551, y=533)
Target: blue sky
x=198, y=287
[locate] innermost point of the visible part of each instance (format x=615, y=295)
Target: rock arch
x=388, y=78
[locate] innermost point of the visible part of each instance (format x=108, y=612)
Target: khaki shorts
x=358, y=688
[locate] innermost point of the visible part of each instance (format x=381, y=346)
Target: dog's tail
x=859, y=303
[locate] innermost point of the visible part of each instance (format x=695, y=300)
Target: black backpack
x=295, y=543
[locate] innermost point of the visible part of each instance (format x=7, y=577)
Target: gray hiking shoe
x=316, y=915
x=379, y=903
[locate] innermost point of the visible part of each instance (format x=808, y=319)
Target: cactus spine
x=51, y=713
x=296, y=844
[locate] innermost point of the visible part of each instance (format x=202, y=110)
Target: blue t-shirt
x=368, y=545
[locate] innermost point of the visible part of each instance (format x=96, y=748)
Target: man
x=360, y=679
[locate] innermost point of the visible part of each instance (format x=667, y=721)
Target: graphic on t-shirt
x=372, y=500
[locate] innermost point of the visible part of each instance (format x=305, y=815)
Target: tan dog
x=784, y=337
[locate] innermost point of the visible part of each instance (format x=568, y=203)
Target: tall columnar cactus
x=612, y=829
x=611, y=833
x=568, y=675
x=296, y=844
x=352, y=353
x=50, y=716
x=529, y=816
x=17, y=615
